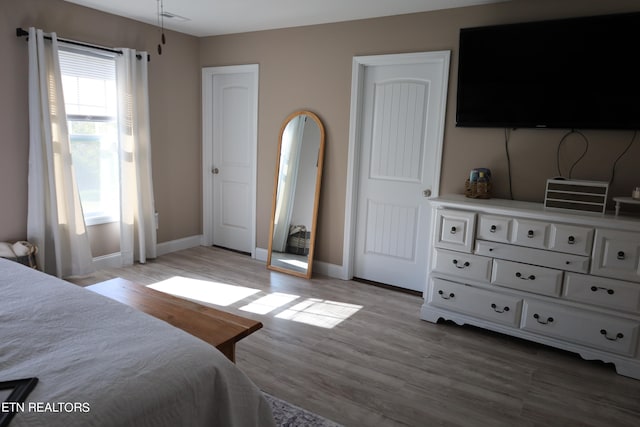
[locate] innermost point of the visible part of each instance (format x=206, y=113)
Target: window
x=89, y=86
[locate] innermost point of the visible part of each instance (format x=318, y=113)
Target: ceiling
x=215, y=17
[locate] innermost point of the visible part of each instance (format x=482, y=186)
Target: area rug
x=288, y=415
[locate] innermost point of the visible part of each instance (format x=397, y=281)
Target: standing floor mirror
x=296, y=194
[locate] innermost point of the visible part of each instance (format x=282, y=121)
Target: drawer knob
x=571, y=240
x=520, y=276
x=465, y=265
x=530, y=234
x=493, y=229
x=621, y=255
x=617, y=337
x=444, y=296
x=600, y=288
x=453, y=230
x=497, y=310
x=542, y=321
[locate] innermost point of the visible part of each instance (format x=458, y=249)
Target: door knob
x=426, y=193
x=215, y=171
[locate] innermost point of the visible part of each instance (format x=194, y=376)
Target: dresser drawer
x=455, y=230
x=600, y=291
x=530, y=278
x=571, y=239
x=617, y=254
x=604, y=332
x=462, y=265
x=494, y=228
x=498, y=308
x=533, y=234
x=558, y=260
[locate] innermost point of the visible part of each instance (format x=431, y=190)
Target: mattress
x=101, y=363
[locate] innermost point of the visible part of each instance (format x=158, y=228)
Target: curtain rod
x=23, y=33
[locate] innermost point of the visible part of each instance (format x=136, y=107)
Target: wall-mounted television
x=579, y=73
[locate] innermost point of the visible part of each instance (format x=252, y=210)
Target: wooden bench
x=220, y=329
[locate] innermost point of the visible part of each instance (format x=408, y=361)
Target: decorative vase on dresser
x=563, y=279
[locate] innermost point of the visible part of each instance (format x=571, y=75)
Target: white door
x=230, y=111
x=400, y=145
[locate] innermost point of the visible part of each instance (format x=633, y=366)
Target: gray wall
x=300, y=68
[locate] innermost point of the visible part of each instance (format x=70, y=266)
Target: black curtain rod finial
x=22, y=33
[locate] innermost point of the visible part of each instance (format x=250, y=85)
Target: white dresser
x=563, y=279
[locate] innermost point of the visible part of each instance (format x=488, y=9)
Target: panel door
x=403, y=110
x=232, y=129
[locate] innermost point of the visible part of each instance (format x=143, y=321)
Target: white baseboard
x=108, y=261
x=115, y=260
x=261, y=254
x=327, y=269
x=178, y=245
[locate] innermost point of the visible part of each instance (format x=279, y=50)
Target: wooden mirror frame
x=316, y=198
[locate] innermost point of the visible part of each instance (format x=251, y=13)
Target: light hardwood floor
x=383, y=366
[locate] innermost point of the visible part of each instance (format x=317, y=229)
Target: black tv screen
x=580, y=73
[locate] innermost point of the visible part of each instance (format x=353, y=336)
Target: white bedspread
x=125, y=367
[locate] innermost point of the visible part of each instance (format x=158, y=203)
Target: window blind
x=86, y=64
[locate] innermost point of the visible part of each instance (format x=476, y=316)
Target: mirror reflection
x=296, y=194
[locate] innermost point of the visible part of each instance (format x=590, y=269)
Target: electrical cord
x=586, y=149
x=562, y=140
x=558, y=151
x=507, y=134
x=615, y=163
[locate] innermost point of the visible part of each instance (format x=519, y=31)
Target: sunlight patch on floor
x=321, y=313
x=268, y=303
x=312, y=311
x=203, y=290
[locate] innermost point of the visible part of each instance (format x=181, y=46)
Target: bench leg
x=229, y=350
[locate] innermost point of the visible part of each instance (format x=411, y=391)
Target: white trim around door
x=207, y=149
x=355, y=123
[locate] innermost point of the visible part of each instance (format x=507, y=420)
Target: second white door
x=401, y=131
x=230, y=141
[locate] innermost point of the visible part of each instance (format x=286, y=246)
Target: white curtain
x=287, y=178
x=55, y=222
x=137, y=225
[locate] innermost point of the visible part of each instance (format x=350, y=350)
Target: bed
x=101, y=363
